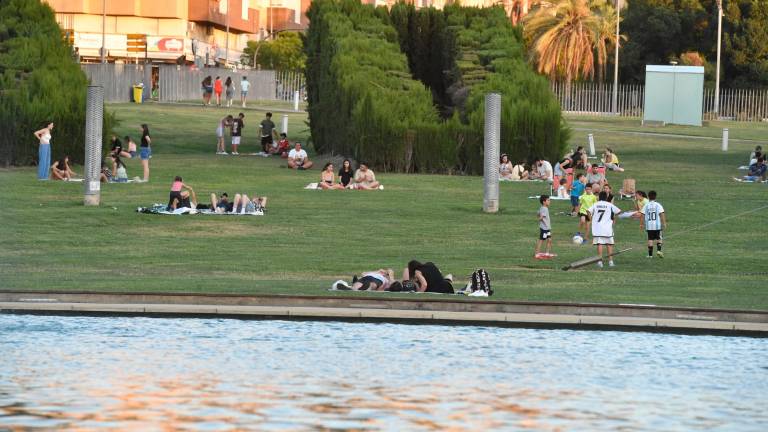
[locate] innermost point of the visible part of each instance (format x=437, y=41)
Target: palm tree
x=563, y=38
x=605, y=33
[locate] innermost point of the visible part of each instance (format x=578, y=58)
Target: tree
x=39, y=82
x=605, y=33
x=284, y=52
x=562, y=39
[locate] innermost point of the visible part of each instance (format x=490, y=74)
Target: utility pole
x=103, y=31
x=226, y=45
x=615, y=101
x=717, y=71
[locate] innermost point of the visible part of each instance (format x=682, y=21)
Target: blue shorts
x=243, y=93
x=146, y=152
x=133, y=154
x=574, y=200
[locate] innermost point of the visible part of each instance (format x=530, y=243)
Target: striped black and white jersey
x=652, y=215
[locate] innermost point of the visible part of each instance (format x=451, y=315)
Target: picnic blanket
x=741, y=180
x=554, y=198
x=162, y=209
x=501, y=179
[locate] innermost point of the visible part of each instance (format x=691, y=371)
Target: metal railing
x=289, y=82
x=750, y=105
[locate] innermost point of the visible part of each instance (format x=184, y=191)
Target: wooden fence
x=597, y=99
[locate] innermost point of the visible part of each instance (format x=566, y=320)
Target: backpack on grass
x=479, y=284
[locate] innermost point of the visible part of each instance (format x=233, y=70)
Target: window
x=246, y=6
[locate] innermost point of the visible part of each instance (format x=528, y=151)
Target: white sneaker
x=611, y=264
x=340, y=285
x=235, y=153
x=449, y=277
x=381, y=187
x=600, y=264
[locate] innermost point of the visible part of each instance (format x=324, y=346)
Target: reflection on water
x=213, y=374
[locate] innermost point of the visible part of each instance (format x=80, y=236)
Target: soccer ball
x=577, y=239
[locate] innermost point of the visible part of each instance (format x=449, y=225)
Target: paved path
x=692, y=323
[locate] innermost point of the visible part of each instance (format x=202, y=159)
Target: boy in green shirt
x=586, y=200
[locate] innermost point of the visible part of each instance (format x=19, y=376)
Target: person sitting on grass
x=187, y=199
x=757, y=171
x=175, y=195
x=611, y=161
x=428, y=278
x=298, y=158
x=119, y=173
x=594, y=175
x=346, y=173
x=117, y=148
x=755, y=155
x=106, y=173
x=60, y=169
x=505, y=168
x=281, y=147
x=328, y=178
x=365, y=178
x=519, y=172
x=562, y=190
x=131, y=147
x=543, y=170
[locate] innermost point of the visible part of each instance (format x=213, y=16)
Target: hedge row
x=404, y=89
x=39, y=82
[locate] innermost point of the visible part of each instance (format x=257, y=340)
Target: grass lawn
x=311, y=238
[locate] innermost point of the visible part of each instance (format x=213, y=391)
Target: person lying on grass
x=60, y=169
x=240, y=204
x=428, y=278
x=365, y=178
x=328, y=178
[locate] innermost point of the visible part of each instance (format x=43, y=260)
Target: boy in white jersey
x=654, y=220
x=602, y=214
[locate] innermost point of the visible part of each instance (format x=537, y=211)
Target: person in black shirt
x=267, y=128
x=237, y=130
x=117, y=148
x=346, y=173
x=428, y=277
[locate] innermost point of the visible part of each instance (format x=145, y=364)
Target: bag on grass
x=479, y=284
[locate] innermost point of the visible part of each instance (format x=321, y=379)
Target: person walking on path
x=229, y=90
x=44, y=151
x=218, y=88
x=244, y=87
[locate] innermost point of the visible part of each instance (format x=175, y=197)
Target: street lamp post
x=226, y=44
x=103, y=31
x=717, y=71
x=615, y=101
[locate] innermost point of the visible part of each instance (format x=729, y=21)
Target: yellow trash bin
x=137, y=93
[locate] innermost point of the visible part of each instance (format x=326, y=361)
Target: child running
x=602, y=214
x=545, y=230
x=655, y=220
x=586, y=200
x=577, y=189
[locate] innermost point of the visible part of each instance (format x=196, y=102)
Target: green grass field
x=311, y=238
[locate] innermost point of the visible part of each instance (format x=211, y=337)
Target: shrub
x=39, y=82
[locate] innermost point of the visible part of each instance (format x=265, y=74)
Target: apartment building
x=173, y=30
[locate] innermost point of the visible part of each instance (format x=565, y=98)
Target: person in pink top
x=218, y=87
x=175, y=195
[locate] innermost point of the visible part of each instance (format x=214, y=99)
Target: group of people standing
x=212, y=86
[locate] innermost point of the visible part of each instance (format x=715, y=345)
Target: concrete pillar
x=94, y=120
x=492, y=139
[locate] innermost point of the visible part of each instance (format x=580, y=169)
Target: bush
x=405, y=90
x=39, y=82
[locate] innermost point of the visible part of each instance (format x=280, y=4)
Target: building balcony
x=210, y=12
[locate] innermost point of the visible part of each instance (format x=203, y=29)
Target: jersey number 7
x=600, y=213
